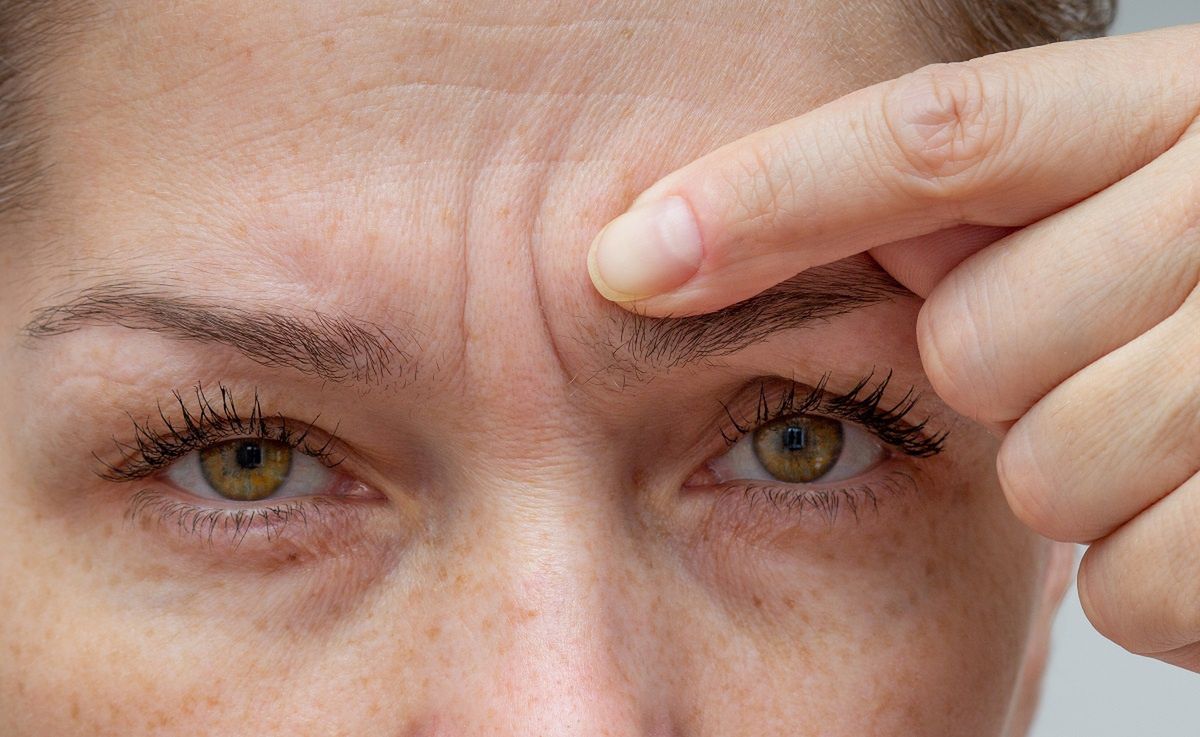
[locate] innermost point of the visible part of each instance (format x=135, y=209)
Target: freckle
x=433, y=632
x=503, y=212
x=626, y=33
x=74, y=709
x=788, y=602
x=327, y=43
x=757, y=602
x=638, y=479
x=529, y=613
x=441, y=573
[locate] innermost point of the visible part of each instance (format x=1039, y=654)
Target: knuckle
x=1182, y=226
x=1176, y=418
x=937, y=349
x=1142, y=599
x=1093, y=597
x=945, y=122
x=1025, y=486
x=1182, y=607
x=953, y=350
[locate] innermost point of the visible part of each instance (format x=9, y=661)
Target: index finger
x=1002, y=140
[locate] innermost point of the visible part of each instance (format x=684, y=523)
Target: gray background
x=1094, y=688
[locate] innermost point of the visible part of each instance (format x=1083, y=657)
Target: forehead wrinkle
x=642, y=346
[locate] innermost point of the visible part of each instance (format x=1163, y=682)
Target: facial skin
x=525, y=549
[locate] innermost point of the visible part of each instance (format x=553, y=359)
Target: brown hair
x=33, y=30
x=980, y=27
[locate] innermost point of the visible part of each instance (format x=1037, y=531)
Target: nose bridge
x=566, y=615
x=564, y=673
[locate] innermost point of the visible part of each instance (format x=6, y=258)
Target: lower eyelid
x=292, y=530
x=762, y=512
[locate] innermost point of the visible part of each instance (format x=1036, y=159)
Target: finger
x=1016, y=319
x=1140, y=587
x=1187, y=657
x=1002, y=140
x=1112, y=439
x=920, y=263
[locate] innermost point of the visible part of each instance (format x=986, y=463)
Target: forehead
x=442, y=165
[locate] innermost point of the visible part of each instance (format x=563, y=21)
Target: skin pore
x=519, y=536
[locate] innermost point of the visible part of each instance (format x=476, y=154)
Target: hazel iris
x=246, y=470
x=800, y=448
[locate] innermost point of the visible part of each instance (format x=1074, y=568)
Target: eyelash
x=856, y=405
x=889, y=425
x=153, y=450
x=211, y=421
x=827, y=502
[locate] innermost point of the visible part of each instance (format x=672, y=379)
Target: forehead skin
x=438, y=169
x=419, y=142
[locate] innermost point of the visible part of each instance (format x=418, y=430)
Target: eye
x=800, y=449
x=249, y=470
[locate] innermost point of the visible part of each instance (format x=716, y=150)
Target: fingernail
x=648, y=250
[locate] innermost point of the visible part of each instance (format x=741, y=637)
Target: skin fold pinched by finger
x=1112, y=439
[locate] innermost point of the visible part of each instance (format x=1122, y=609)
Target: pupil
x=249, y=455
x=794, y=438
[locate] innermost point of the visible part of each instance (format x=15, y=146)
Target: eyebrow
x=642, y=345
x=331, y=348
x=344, y=349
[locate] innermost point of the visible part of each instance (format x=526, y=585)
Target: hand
x=1072, y=171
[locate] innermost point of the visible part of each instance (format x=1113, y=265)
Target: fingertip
x=650, y=250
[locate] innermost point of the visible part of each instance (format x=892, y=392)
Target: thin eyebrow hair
x=643, y=346
x=332, y=348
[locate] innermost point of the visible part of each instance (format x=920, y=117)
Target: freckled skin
x=535, y=568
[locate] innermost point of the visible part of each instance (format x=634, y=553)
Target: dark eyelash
x=857, y=405
x=197, y=427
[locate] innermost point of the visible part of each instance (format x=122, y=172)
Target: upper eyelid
x=161, y=457
x=886, y=422
x=153, y=449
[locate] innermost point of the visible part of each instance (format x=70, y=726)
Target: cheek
x=101, y=635
x=911, y=621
